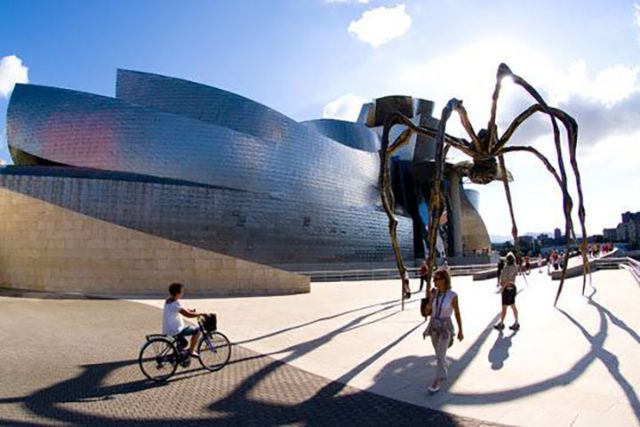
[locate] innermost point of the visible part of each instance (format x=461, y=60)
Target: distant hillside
x=498, y=238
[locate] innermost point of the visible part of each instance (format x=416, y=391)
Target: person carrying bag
x=442, y=303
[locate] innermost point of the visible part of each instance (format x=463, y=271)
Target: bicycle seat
x=152, y=336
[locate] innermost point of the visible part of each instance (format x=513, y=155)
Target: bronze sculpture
x=487, y=150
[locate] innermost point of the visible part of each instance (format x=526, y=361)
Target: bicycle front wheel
x=158, y=359
x=215, y=351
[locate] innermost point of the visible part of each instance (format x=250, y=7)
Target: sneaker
x=499, y=326
x=433, y=390
x=515, y=327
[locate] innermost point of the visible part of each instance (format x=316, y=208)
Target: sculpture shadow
x=609, y=360
x=236, y=396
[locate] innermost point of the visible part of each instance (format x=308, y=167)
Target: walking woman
x=509, y=292
x=442, y=303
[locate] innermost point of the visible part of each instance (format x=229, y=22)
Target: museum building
x=173, y=180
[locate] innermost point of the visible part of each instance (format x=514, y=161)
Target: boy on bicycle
x=172, y=323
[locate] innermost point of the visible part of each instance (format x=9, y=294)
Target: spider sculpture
x=487, y=149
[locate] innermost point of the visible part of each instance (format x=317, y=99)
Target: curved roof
x=351, y=134
x=86, y=130
x=201, y=102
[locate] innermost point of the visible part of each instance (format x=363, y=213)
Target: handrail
x=634, y=268
x=414, y=272
x=381, y=273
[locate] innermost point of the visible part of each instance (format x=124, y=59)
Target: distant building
x=628, y=217
x=627, y=231
x=597, y=238
x=610, y=234
x=557, y=235
x=545, y=240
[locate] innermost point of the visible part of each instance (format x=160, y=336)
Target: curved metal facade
x=351, y=134
x=84, y=130
x=262, y=186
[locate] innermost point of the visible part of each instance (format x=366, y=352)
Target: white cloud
x=605, y=102
x=11, y=72
x=347, y=107
x=609, y=86
x=381, y=25
x=636, y=14
x=469, y=73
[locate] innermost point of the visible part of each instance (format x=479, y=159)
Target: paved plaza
x=75, y=362
x=344, y=354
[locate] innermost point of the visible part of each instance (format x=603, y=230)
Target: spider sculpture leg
x=437, y=200
x=514, y=227
x=386, y=192
x=572, y=132
x=571, y=126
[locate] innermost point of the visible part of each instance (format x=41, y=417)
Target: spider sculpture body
x=486, y=149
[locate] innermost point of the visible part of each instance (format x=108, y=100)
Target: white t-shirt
x=172, y=322
x=443, y=304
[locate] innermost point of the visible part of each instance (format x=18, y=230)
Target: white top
x=172, y=322
x=442, y=304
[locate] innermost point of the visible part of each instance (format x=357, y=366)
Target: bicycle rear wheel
x=215, y=351
x=158, y=359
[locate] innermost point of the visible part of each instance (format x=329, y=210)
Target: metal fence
x=605, y=263
x=384, y=273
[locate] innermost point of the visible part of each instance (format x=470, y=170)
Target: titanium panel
x=246, y=225
x=350, y=134
x=84, y=130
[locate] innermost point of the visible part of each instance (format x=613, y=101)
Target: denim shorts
x=188, y=331
x=509, y=295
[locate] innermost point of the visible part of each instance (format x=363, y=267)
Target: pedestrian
x=540, y=262
x=527, y=265
x=509, y=291
x=445, y=267
x=442, y=303
x=500, y=267
x=423, y=274
x=405, y=284
x=555, y=259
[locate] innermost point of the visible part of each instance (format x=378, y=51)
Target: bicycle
x=161, y=354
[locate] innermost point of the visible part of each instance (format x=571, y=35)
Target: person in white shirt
x=443, y=302
x=172, y=323
x=509, y=292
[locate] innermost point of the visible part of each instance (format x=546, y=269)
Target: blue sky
x=309, y=58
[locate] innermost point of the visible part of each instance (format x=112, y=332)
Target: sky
x=324, y=58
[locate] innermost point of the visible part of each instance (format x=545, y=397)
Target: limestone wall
x=474, y=231
x=49, y=248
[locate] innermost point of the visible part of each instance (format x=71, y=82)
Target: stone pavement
x=75, y=362
x=575, y=365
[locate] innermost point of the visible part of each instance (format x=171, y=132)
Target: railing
x=604, y=263
x=382, y=273
x=480, y=271
x=634, y=268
